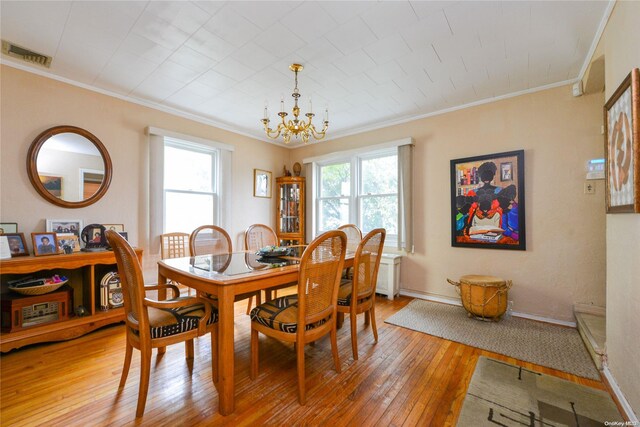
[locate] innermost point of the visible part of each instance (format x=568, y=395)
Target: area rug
x=536, y=342
x=502, y=394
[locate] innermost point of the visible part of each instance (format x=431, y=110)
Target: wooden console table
x=84, y=270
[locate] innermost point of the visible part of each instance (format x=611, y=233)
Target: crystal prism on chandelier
x=296, y=127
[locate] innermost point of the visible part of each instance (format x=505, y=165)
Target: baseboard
x=590, y=309
x=456, y=301
x=626, y=407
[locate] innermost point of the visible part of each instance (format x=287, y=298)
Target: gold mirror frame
x=32, y=166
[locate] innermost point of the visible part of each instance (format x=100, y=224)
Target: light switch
x=589, y=188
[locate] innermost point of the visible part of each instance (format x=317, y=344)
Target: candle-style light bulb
x=310, y=106
x=266, y=113
x=282, y=104
x=326, y=114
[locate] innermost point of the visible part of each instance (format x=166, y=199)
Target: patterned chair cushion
x=280, y=314
x=171, y=321
x=344, y=292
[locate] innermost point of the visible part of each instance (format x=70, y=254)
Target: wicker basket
x=484, y=297
x=38, y=290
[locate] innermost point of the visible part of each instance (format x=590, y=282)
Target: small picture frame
x=44, y=244
x=17, y=244
x=118, y=228
x=68, y=243
x=506, y=171
x=73, y=226
x=8, y=227
x=622, y=146
x=53, y=184
x=124, y=234
x=261, y=183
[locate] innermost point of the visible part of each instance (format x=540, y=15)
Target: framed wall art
x=53, y=184
x=487, y=201
x=622, y=146
x=261, y=183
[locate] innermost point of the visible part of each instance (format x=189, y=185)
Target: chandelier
x=296, y=127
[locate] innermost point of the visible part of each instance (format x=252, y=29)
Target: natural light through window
x=360, y=189
x=189, y=187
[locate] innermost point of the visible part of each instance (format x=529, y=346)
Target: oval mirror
x=69, y=166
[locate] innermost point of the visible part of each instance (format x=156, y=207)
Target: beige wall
x=31, y=104
x=621, y=52
x=564, y=260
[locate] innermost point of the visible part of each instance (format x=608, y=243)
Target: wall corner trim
x=626, y=407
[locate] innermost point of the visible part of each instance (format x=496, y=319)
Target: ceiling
x=371, y=63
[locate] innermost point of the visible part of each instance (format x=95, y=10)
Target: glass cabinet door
x=290, y=208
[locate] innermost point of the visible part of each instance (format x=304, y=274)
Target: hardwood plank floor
x=407, y=378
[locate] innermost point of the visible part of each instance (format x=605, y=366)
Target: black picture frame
x=487, y=211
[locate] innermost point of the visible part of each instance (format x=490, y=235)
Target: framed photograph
x=44, y=244
x=261, y=183
x=487, y=201
x=53, y=184
x=622, y=146
x=124, y=234
x=68, y=243
x=8, y=227
x=73, y=226
x=17, y=244
x=506, y=171
x=119, y=228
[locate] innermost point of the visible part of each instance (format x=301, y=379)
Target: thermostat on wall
x=595, y=169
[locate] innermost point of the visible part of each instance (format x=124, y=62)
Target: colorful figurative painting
x=487, y=201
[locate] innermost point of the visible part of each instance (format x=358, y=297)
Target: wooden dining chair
x=175, y=245
x=354, y=236
x=363, y=285
x=309, y=315
x=209, y=240
x=214, y=240
x=152, y=324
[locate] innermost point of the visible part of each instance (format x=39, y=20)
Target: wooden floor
x=407, y=378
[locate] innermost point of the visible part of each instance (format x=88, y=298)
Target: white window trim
x=354, y=158
x=155, y=196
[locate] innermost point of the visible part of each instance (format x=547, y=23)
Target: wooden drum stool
x=484, y=297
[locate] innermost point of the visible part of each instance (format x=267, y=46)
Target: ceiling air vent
x=16, y=51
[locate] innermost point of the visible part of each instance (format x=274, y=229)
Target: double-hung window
x=359, y=188
x=190, y=185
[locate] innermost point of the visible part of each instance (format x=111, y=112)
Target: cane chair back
x=258, y=236
x=354, y=235
x=358, y=295
x=156, y=324
x=209, y=240
x=311, y=314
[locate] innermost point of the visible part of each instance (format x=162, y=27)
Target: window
x=190, y=186
x=361, y=189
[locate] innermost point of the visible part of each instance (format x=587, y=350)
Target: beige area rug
x=536, y=342
x=502, y=394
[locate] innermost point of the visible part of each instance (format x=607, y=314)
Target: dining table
x=226, y=276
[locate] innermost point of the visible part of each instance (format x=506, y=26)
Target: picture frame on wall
x=17, y=244
x=73, y=226
x=53, y=184
x=487, y=201
x=44, y=243
x=622, y=146
x=8, y=227
x=262, y=183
